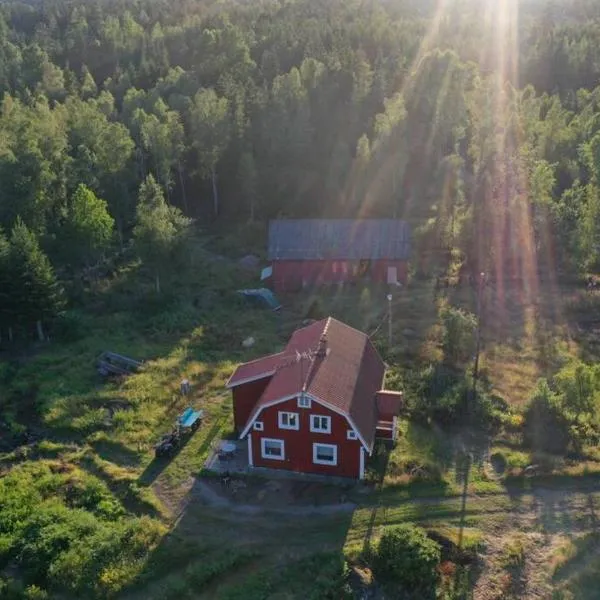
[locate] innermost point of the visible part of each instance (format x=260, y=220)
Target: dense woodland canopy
x=476, y=121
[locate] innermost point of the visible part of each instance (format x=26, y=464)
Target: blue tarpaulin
x=262, y=296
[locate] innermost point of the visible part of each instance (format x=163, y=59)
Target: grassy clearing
x=103, y=432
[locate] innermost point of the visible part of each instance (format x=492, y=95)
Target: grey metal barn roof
x=352, y=239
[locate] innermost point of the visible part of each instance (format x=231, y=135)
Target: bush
x=545, y=428
x=458, y=334
x=406, y=556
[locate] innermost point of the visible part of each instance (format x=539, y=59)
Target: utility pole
x=389, y=297
x=478, y=346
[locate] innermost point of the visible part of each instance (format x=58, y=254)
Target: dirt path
x=205, y=493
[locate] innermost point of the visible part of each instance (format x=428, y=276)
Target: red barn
x=316, y=407
x=305, y=252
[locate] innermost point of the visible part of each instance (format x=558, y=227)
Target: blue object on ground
x=189, y=417
x=263, y=296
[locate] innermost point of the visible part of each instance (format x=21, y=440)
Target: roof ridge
x=314, y=353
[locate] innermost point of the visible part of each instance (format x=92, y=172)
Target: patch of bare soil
x=530, y=580
x=287, y=496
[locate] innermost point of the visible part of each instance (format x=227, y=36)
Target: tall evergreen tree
x=35, y=292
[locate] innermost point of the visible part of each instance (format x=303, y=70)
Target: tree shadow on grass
x=378, y=464
x=222, y=549
x=160, y=463
x=116, y=452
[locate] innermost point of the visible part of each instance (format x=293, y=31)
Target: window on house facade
x=304, y=402
x=259, y=426
x=288, y=420
x=351, y=434
x=324, y=454
x=272, y=449
x=320, y=424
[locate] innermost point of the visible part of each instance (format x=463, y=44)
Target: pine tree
x=6, y=304
x=35, y=292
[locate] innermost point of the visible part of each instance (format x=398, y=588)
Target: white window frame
x=280, y=420
x=304, y=402
x=320, y=461
x=258, y=426
x=281, y=443
x=351, y=435
x=315, y=429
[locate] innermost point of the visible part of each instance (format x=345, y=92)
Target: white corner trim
x=318, y=461
x=314, y=429
x=361, y=471
x=335, y=409
x=250, y=457
x=257, y=413
x=395, y=428
x=270, y=456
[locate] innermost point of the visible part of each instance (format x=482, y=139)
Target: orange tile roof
x=335, y=364
x=255, y=369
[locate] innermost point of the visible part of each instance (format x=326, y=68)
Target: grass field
x=94, y=431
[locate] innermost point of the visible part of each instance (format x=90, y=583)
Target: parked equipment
x=187, y=422
x=111, y=363
x=190, y=419
x=168, y=444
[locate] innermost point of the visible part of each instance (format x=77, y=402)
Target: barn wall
x=298, y=444
x=292, y=275
x=245, y=397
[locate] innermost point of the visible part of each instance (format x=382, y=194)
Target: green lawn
x=196, y=331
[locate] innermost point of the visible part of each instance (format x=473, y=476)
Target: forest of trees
x=125, y=119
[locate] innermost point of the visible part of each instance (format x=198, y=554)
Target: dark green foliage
x=458, y=334
x=407, y=557
x=34, y=295
x=562, y=414
x=87, y=230
x=159, y=230
x=67, y=533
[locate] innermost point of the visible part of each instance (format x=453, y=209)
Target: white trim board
x=250, y=457
x=361, y=470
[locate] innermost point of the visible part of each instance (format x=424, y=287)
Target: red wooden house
x=305, y=252
x=316, y=407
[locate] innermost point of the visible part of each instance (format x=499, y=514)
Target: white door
x=392, y=275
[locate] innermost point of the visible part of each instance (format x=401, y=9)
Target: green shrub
x=406, y=556
x=546, y=428
x=458, y=334
x=33, y=592
x=70, y=326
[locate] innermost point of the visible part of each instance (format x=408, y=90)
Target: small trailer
x=111, y=363
x=187, y=422
x=190, y=419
